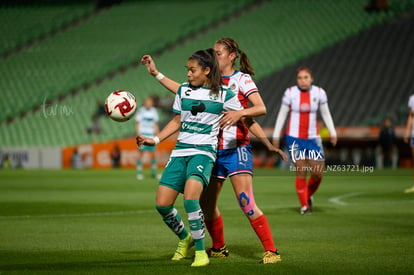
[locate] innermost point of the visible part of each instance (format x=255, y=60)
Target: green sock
x=196, y=221
x=153, y=168
x=173, y=220
x=139, y=167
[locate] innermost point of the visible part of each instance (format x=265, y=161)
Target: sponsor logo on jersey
x=186, y=126
x=197, y=107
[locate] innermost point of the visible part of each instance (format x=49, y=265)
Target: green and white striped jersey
x=200, y=113
x=147, y=119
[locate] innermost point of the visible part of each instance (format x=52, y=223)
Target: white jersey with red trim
x=303, y=106
x=411, y=106
x=243, y=86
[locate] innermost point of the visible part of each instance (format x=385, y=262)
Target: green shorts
x=147, y=148
x=180, y=169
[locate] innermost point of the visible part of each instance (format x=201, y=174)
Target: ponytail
x=245, y=66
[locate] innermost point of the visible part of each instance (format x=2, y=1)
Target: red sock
x=313, y=185
x=262, y=229
x=302, y=191
x=216, y=230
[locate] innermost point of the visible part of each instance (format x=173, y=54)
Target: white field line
x=339, y=200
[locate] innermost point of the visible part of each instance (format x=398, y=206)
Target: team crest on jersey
x=304, y=107
x=315, y=99
x=233, y=87
x=213, y=97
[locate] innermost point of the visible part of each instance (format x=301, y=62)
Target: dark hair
x=207, y=58
x=306, y=69
x=231, y=45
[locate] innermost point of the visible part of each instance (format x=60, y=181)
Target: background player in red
x=302, y=102
x=234, y=157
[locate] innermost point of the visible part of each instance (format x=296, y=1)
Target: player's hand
x=144, y=141
x=279, y=152
x=229, y=119
x=334, y=140
x=276, y=143
x=149, y=63
x=406, y=139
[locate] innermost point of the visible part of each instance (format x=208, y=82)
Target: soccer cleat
x=271, y=257
x=140, y=177
x=200, y=259
x=183, y=248
x=310, y=202
x=221, y=252
x=409, y=190
x=305, y=210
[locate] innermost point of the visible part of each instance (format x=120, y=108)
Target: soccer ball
x=120, y=105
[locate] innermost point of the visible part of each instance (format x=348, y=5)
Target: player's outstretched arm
x=258, y=132
x=170, y=84
x=172, y=127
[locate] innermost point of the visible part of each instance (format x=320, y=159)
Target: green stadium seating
x=20, y=24
x=274, y=35
x=107, y=41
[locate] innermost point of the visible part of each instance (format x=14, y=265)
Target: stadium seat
x=114, y=38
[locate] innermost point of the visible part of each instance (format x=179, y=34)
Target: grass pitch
x=104, y=222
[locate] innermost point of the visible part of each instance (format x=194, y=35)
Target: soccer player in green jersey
x=234, y=157
x=198, y=108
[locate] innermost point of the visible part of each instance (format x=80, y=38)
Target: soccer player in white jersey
x=198, y=107
x=302, y=102
x=147, y=125
x=234, y=158
x=409, y=132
